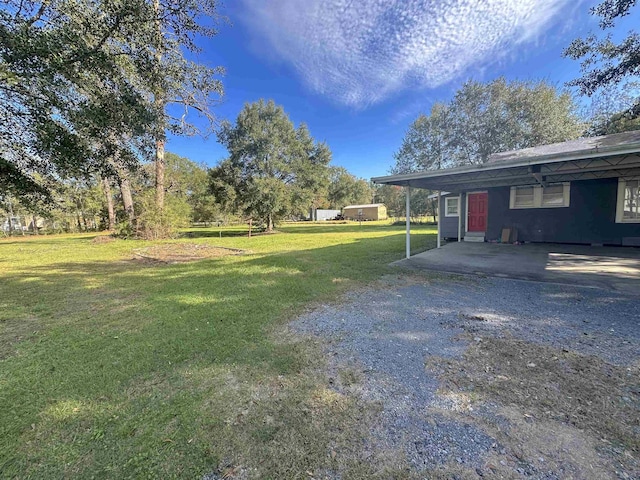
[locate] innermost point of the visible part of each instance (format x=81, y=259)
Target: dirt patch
x=561, y=404
x=182, y=253
x=100, y=239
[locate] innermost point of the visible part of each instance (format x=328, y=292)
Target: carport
x=584, y=191
x=610, y=267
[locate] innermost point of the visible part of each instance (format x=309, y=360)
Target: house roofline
x=597, y=152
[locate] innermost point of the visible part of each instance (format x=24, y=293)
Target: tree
x=187, y=183
x=608, y=112
x=393, y=197
x=483, y=119
x=96, y=86
x=68, y=99
x=273, y=169
x=175, y=80
x=425, y=143
x=605, y=63
x=111, y=212
x=346, y=189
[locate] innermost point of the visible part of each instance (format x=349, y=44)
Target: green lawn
x=113, y=368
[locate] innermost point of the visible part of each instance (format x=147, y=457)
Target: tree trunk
x=10, y=219
x=78, y=221
x=84, y=221
x=160, y=173
x=269, y=223
x=159, y=102
x=34, y=223
x=127, y=199
x=106, y=187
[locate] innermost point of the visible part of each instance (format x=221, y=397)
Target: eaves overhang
x=600, y=162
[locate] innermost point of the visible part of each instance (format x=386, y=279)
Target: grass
x=121, y=369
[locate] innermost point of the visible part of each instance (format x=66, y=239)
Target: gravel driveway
x=404, y=343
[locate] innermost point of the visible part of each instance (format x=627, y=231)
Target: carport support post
x=460, y=217
x=439, y=218
x=408, y=219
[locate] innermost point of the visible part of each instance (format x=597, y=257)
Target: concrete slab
x=603, y=267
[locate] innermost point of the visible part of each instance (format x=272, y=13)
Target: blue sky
x=358, y=72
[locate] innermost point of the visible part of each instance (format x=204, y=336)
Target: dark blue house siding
x=449, y=225
x=590, y=218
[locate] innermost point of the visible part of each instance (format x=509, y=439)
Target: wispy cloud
x=360, y=52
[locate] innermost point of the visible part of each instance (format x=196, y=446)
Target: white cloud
x=360, y=52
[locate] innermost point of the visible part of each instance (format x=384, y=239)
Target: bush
x=154, y=224
x=414, y=222
x=124, y=229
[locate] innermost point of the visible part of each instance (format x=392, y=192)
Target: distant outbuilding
x=319, y=214
x=373, y=211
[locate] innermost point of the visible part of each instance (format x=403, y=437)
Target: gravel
x=386, y=333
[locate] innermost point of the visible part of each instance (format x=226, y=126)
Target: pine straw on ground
x=552, y=384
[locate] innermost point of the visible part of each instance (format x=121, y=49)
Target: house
x=583, y=191
x=373, y=211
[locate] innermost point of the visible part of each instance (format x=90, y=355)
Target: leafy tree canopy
x=608, y=111
x=88, y=87
x=604, y=62
x=346, y=189
x=273, y=169
x=67, y=98
x=483, y=119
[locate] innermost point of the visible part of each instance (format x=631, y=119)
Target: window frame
x=446, y=206
x=622, y=185
x=514, y=194
x=538, y=197
x=562, y=196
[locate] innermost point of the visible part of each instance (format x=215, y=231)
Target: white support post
x=460, y=217
x=408, y=219
x=439, y=217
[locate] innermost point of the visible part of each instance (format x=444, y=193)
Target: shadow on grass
x=88, y=333
x=48, y=239
x=298, y=228
x=220, y=233
x=336, y=228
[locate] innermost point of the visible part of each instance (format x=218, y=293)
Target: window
x=553, y=196
x=628, y=210
x=451, y=206
x=524, y=197
x=536, y=196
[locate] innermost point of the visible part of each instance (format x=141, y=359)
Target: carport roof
x=607, y=156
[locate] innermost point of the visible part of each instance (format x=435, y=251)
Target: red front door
x=477, y=215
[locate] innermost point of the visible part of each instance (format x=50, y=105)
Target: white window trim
x=537, y=197
x=446, y=206
x=622, y=183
